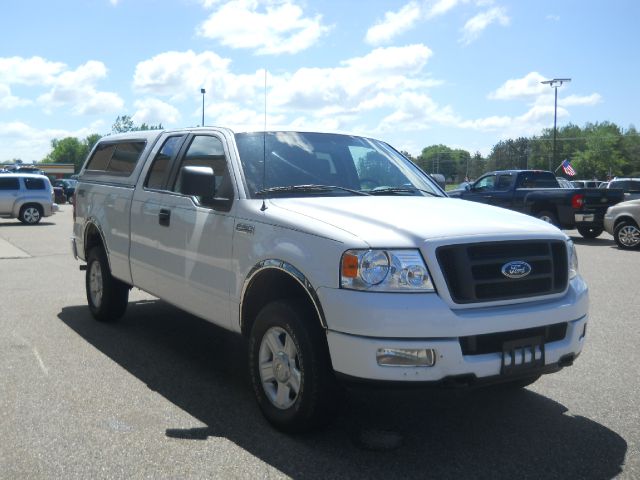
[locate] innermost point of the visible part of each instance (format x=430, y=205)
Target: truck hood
x=403, y=221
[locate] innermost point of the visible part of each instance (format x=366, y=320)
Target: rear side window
x=538, y=180
x=160, y=166
x=117, y=158
x=9, y=184
x=34, y=183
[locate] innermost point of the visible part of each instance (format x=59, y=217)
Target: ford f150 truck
x=337, y=258
x=537, y=193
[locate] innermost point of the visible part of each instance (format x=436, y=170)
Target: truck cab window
x=486, y=183
x=207, y=151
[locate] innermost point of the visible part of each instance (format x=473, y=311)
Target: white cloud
x=394, y=23
x=76, y=89
x=521, y=88
x=153, y=111
x=540, y=100
x=338, y=92
x=179, y=75
x=441, y=7
x=8, y=100
x=267, y=26
x=390, y=70
x=575, y=100
x=19, y=140
x=29, y=71
x=476, y=25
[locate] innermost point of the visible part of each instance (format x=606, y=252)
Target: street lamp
x=555, y=83
x=203, y=91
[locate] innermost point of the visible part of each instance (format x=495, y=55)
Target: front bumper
x=355, y=357
x=361, y=323
x=608, y=224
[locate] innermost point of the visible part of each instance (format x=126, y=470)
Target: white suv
x=26, y=197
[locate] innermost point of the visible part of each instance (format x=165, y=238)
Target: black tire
x=547, y=216
x=309, y=372
x=590, y=232
x=30, y=214
x=107, y=296
x=627, y=235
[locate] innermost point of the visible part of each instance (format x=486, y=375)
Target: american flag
x=568, y=169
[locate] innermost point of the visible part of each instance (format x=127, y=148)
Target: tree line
x=597, y=150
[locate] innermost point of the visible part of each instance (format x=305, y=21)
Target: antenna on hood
x=264, y=145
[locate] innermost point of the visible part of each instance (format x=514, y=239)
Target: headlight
x=385, y=271
x=573, y=259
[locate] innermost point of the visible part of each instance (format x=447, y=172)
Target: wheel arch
x=624, y=218
x=275, y=280
x=28, y=203
x=93, y=236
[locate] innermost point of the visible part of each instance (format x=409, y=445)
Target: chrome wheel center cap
x=281, y=369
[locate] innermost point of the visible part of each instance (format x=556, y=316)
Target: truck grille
x=473, y=272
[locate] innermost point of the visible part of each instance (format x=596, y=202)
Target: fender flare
x=293, y=272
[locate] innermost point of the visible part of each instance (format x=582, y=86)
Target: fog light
x=406, y=357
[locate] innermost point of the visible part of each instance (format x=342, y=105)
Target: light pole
x=203, y=91
x=555, y=83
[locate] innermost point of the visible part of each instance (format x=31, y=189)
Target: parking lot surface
x=162, y=394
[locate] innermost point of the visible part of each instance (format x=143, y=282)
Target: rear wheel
x=590, y=232
x=627, y=235
x=30, y=214
x=548, y=217
x=290, y=368
x=107, y=296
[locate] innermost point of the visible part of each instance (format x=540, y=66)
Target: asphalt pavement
x=163, y=394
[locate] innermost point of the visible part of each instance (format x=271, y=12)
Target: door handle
x=164, y=217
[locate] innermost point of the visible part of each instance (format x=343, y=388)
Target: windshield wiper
x=311, y=188
x=385, y=190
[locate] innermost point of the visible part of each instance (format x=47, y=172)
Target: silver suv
x=26, y=197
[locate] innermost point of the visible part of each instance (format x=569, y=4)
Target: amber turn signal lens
x=349, y=266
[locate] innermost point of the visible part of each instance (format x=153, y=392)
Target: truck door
x=188, y=258
x=482, y=190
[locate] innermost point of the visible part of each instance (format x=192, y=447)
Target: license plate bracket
x=521, y=355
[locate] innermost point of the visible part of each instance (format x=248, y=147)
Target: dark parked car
x=68, y=185
x=59, y=195
x=537, y=193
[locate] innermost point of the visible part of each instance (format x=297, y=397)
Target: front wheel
x=590, y=232
x=290, y=368
x=627, y=235
x=107, y=296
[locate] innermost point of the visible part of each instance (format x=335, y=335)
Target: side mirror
x=198, y=182
x=467, y=187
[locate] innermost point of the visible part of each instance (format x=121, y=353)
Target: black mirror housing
x=198, y=181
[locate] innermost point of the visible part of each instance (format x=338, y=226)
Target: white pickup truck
x=334, y=255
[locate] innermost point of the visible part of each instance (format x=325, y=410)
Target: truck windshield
x=306, y=164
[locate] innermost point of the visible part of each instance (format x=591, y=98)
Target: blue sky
x=465, y=73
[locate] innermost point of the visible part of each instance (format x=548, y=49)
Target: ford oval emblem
x=516, y=269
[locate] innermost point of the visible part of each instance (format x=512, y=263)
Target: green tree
x=124, y=123
x=71, y=150
x=452, y=163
